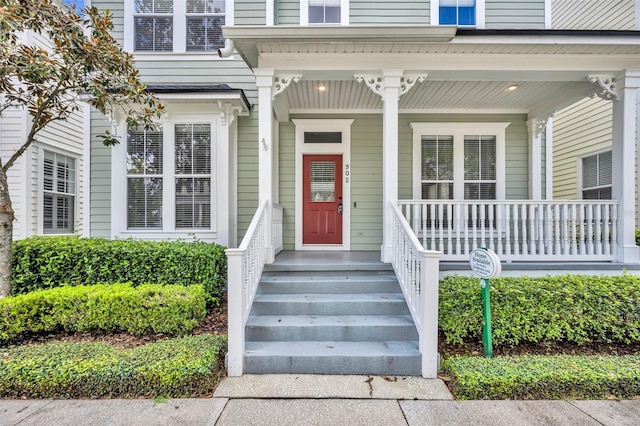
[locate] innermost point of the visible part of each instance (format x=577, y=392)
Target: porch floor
x=370, y=260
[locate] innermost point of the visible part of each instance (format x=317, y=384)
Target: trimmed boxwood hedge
x=182, y=367
x=570, y=308
x=544, y=377
x=48, y=262
x=149, y=308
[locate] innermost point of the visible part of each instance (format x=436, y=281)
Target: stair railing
x=417, y=271
x=245, y=265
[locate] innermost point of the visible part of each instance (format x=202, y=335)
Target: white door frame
x=344, y=149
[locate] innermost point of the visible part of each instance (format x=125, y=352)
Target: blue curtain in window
x=457, y=12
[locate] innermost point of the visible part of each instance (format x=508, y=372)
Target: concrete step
x=330, y=304
x=335, y=282
x=330, y=327
x=333, y=357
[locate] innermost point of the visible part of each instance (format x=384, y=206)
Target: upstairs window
x=153, y=25
x=596, y=176
x=176, y=26
x=324, y=11
x=457, y=12
x=205, y=19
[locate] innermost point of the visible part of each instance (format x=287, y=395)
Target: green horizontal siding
x=593, y=14
x=248, y=12
x=514, y=14
x=384, y=12
x=287, y=12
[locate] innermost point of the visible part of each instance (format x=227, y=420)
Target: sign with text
x=485, y=263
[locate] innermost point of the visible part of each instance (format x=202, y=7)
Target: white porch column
x=264, y=81
x=624, y=163
x=390, y=95
x=548, y=163
x=536, y=127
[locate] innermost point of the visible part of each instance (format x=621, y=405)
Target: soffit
x=433, y=96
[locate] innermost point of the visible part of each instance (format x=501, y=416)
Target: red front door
x=322, y=199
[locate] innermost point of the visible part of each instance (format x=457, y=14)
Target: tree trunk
x=6, y=235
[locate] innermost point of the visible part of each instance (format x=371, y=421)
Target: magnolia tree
x=82, y=63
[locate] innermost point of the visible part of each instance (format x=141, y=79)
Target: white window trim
x=179, y=34
x=579, y=168
x=480, y=14
x=304, y=13
x=219, y=173
x=40, y=202
x=344, y=148
x=458, y=131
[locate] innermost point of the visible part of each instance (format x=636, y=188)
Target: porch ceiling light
x=512, y=87
x=322, y=87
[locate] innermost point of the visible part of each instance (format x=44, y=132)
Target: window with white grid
x=324, y=11
x=176, y=26
x=457, y=12
x=169, y=177
x=596, y=176
x=59, y=193
x=205, y=19
x=193, y=175
x=479, y=167
x=437, y=167
x=461, y=161
x=153, y=25
x=145, y=179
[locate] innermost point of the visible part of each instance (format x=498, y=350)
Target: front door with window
x=322, y=199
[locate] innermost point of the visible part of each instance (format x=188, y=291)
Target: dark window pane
x=193, y=203
x=144, y=203
x=204, y=33
x=448, y=15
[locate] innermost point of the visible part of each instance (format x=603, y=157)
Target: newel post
x=235, y=332
x=429, y=277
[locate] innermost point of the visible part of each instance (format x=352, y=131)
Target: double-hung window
x=176, y=26
x=459, y=161
x=596, y=176
x=59, y=193
x=169, y=178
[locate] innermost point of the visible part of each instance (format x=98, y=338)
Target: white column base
x=629, y=254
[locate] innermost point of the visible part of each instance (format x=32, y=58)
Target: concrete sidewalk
x=320, y=400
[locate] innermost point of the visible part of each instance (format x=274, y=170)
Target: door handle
x=340, y=208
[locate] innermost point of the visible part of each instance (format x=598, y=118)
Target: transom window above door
x=463, y=161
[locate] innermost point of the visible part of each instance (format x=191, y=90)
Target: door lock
x=340, y=208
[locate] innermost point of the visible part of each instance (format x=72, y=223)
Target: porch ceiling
x=429, y=96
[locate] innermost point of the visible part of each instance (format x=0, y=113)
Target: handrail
x=245, y=265
x=417, y=271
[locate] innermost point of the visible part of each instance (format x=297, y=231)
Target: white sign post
x=485, y=264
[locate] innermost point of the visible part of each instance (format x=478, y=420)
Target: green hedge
x=571, y=308
x=544, y=377
x=149, y=308
x=183, y=367
x=47, y=262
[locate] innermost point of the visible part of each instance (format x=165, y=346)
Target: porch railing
x=417, y=271
x=517, y=230
x=245, y=265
